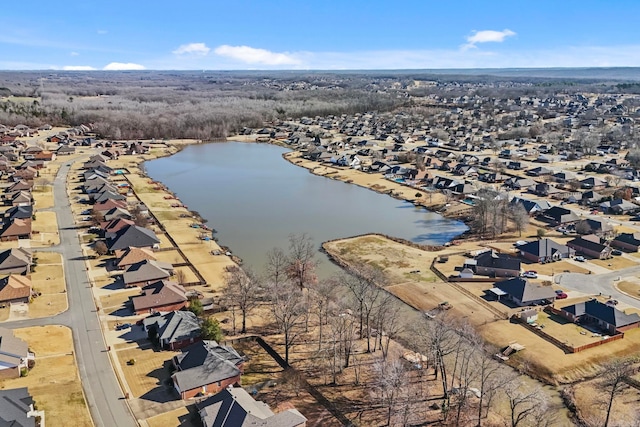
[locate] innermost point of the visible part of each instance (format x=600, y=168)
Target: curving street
x=102, y=390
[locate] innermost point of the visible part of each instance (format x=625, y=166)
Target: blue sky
x=312, y=34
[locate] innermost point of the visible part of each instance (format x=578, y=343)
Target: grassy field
x=615, y=263
x=630, y=288
x=55, y=370
x=180, y=417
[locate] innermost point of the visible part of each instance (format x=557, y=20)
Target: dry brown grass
x=591, y=404
x=177, y=418
x=52, y=374
x=148, y=372
x=552, y=268
x=629, y=288
x=615, y=263
x=43, y=196
x=116, y=300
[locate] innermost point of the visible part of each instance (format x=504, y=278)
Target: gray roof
x=147, y=270
x=14, y=405
x=174, y=326
x=135, y=236
x=234, y=407
x=205, y=362
x=546, y=248
x=526, y=291
x=604, y=312
x=15, y=260
x=12, y=349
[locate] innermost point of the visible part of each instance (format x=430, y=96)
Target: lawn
x=615, y=263
x=553, y=268
x=565, y=331
x=116, y=300
x=55, y=371
x=149, y=370
x=630, y=288
x=180, y=417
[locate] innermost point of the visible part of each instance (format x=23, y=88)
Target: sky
x=317, y=34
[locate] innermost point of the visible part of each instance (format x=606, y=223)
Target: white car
x=530, y=274
x=580, y=258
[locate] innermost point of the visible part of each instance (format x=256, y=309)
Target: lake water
x=255, y=199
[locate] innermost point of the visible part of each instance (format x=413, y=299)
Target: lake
x=255, y=199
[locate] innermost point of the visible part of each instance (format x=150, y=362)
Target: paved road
x=101, y=388
x=599, y=283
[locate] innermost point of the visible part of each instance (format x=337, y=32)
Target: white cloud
x=74, y=54
x=192, y=48
x=252, y=55
x=78, y=68
x=487, y=36
x=121, y=66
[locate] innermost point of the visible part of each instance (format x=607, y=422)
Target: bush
x=24, y=372
x=131, y=362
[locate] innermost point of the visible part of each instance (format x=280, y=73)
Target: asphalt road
x=101, y=387
x=599, y=283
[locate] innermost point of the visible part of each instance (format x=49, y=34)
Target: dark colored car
x=616, y=252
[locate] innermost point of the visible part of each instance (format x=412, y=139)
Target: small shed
x=497, y=292
x=529, y=316
x=466, y=273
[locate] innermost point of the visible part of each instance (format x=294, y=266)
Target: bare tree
x=388, y=321
x=520, y=217
x=243, y=290
x=100, y=247
x=527, y=405
x=613, y=380
x=288, y=308
x=390, y=379
x=276, y=268
x=302, y=261
x=321, y=297
x=343, y=333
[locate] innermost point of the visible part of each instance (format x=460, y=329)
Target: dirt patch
x=55, y=370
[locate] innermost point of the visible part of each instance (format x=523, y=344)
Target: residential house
x=135, y=236
x=493, y=264
x=117, y=213
x=531, y=206
x=145, y=272
x=19, y=186
x=590, y=245
x=18, y=212
x=65, y=150
x=618, y=207
x=629, y=242
x=129, y=256
x=605, y=316
x=110, y=228
x=517, y=183
x=26, y=174
x=539, y=171
x=545, y=250
x=21, y=198
x=104, y=207
x=206, y=368
x=14, y=355
x=15, y=288
x=599, y=227
x=558, y=215
x=592, y=183
x=15, y=261
x=17, y=229
x=17, y=409
x=173, y=330
x=160, y=295
x=590, y=198
x=523, y=292
x=234, y=407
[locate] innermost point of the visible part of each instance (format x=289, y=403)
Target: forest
x=205, y=105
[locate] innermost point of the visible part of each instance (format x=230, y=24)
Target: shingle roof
x=12, y=349
x=133, y=255
x=14, y=405
x=206, y=362
x=582, y=243
x=491, y=259
x=158, y=294
x=525, y=291
x=14, y=287
x=604, y=312
x=234, y=407
x=545, y=248
x=175, y=326
x=133, y=235
x=629, y=238
x=147, y=270
x=15, y=260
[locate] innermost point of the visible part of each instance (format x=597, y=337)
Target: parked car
x=612, y=302
x=616, y=252
x=530, y=274
x=520, y=243
x=580, y=258
x=561, y=295
x=559, y=291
